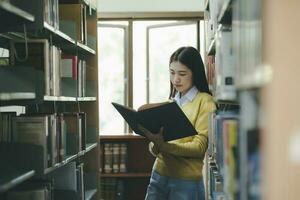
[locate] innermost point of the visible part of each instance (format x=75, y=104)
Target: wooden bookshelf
x=139, y=165
x=25, y=22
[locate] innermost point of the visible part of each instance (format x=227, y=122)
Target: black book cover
x=169, y=116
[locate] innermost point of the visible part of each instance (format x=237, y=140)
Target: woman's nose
x=176, y=79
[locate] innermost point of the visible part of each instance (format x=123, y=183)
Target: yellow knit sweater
x=183, y=158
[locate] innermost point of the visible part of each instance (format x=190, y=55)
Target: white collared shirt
x=188, y=97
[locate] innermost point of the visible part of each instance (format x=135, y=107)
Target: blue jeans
x=166, y=188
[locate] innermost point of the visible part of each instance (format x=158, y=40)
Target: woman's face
x=181, y=77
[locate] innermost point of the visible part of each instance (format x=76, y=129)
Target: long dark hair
x=190, y=57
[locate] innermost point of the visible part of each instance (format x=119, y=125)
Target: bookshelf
x=236, y=76
x=56, y=128
x=131, y=184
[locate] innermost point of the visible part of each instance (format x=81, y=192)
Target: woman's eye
x=182, y=74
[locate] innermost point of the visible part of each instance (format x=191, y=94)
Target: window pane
x=111, y=78
x=163, y=41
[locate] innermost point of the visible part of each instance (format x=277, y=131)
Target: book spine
x=123, y=158
x=116, y=157
x=107, y=158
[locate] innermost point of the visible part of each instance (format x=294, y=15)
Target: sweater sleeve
x=195, y=148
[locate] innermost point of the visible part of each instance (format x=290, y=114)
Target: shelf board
x=32, y=96
x=10, y=8
x=17, y=96
x=121, y=137
x=60, y=98
x=258, y=78
x=65, y=98
x=65, y=37
x=85, y=49
x=86, y=99
x=59, y=35
x=10, y=179
x=89, y=194
x=66, y=42
x=126, y=175
x=67, y=160
x=90, y=146
x=71, y=158
x=225, y=15
x=212, y=48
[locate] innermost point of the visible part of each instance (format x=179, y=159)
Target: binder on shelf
x=74, y=16
x=169, y=116
x=21, y=83
x=40, y=56
x=65, y=178
x=75, y=130
x=33, y=130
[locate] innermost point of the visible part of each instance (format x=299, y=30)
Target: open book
x=169, y=116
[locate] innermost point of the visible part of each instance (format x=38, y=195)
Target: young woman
x=177, y=171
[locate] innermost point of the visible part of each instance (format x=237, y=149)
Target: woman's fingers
x=156, y=138
x=143, y=129
x=146, y=132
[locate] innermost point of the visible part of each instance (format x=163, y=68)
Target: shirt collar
x=188, y=97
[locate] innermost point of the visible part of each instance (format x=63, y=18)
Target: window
x=112, y=76
x=138, y=75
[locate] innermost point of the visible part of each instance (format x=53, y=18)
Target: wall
x=150, y=5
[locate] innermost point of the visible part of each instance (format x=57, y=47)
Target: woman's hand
x=156, y=138
x=153, y=149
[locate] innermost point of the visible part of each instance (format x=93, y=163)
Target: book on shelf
x=65, y=178
x=33, y=130
x=21, y=82
x=68, y=182
x=112, y=188
x=42, y=56
x=225, y=67
x=123, y=157
x=114, y=157
x=80, y=181
x=73, y=20
x=69, y=75
x=169, y=116
x=108, y=158
x=75, y=131
x=6, y=126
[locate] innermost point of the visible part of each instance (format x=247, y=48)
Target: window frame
x=128, y=43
